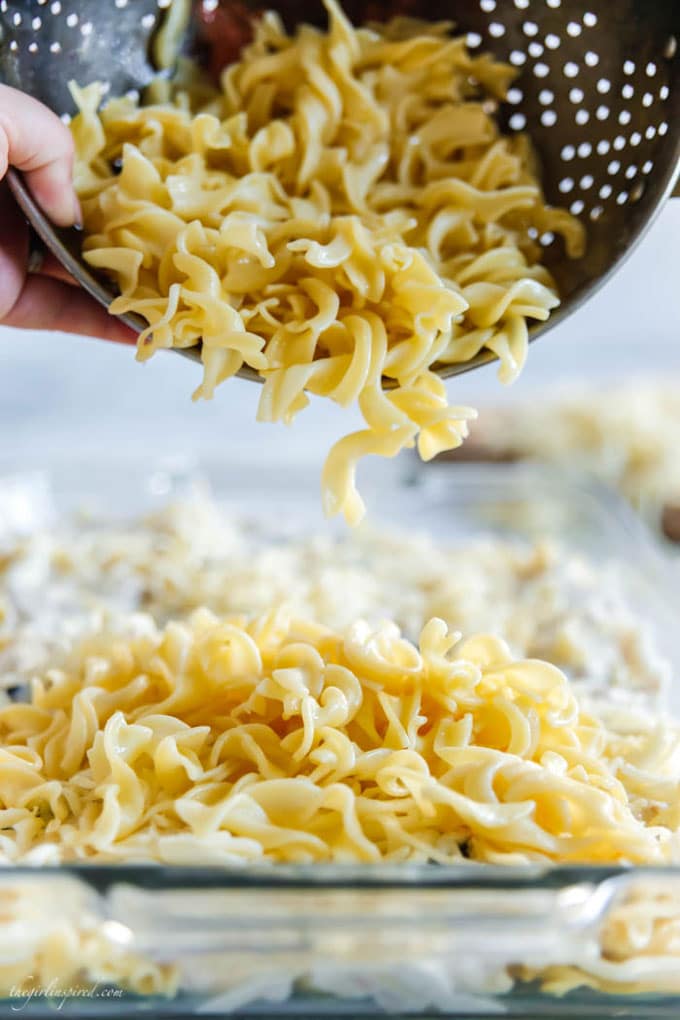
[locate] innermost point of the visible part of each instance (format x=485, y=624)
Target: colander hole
x=533, y=233
x=584, y=149
x=16, y=19
x=87, y=28
x=670, y=47
x=56, y=7
x=636, y=192
x=14, y=46
x=517, y=58
x=568, y=152
x=566, y=185
x=591, y=58
x=622, y=198
x=545, y=96
x=65, y=118
x=530, y=28
x=547, y=238
x=631, y=171
x=636, y=137
x=72, y=20
x=590, y=19
x=573, y=29
x=603, y=86
x=628, y=67
x=209, y=5
x=650, y=69
x=582, y=117
x=596, y=212
x=3, y=6
x=541, y=70
x=613, y=167
x=162, y=4
x=602, y=112
x=552, y=41
x=535, y=49
x=586, y=181
x=548, y=118
x=41, y=3
x=650, y=132
x=664, y=92
x=517, y=122
x=647, y=166
x=647, y=99
x=515, y=95
x=576, y=95
x=663, y=128
x=121, y=3
x=605, y=191
x=521, y=5
x=55, y=47
x=577, y=207
x=33, y=47
x=603, y=147
x=487, y=5
x=473, y=40
x=554, y=4
x=624, y=117
x=627, y=91
x=496, y=29
x=148, y=21
x=36, y=23
x=619, y=143
x=570, y=69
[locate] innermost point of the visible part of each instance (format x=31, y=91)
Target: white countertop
x=60, y=393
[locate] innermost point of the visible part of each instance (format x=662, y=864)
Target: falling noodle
x=343, y=214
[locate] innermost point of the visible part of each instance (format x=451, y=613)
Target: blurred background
x=63, y=394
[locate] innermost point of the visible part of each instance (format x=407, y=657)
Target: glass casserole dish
x=410, y=940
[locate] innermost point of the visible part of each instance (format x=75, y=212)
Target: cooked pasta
x=639, y=948
x=270, y=738
x=343, y=214
x=276, y=738
x=546, y=601
x=627, y=435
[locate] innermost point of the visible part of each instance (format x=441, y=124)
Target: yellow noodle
x=343, y=212
x=277, y=738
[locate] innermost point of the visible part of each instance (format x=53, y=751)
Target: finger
x=51, y=266
x=35, y=141
x=41, y=260
x=45, y=303
x=39, y=302
x=13, y=251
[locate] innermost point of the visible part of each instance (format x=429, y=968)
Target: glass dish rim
x=322, y=876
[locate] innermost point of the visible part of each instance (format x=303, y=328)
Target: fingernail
x=77, y=214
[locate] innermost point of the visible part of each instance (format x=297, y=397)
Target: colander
x=597, y=88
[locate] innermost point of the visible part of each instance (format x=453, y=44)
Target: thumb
x=35, y=141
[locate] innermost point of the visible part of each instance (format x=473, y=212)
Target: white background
x=62, y=394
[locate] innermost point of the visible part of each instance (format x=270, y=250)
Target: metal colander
x=598, y=89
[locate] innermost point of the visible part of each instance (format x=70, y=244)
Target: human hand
x=35, y=141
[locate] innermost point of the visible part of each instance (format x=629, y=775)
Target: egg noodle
x=218, y=740
x=184, y=736
x=343, y=213
x=627, y=434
